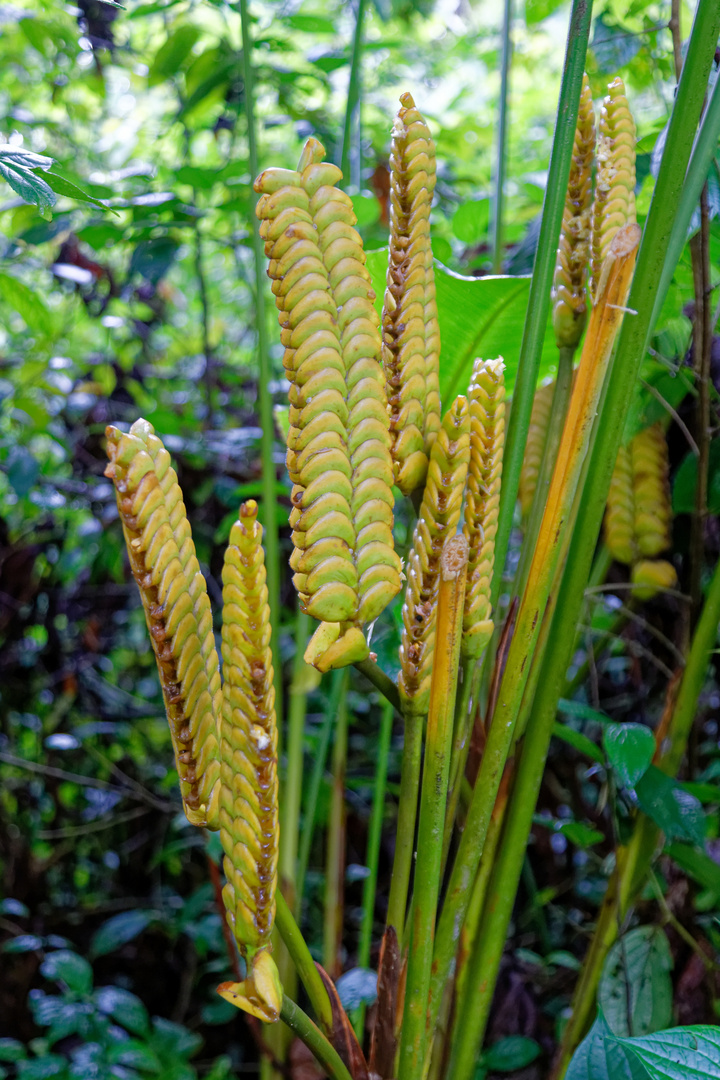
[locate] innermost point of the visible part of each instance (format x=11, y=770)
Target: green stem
x=698, y=168
x=465, y=710
x=373, y=851
x=313, y=791
x=314, y=1039
x=433, y=796
x=292, y=788
x=382, y=682
x=558, y=411
x=269, y=475
x=543, y=269
x=353, y=101
x=335, y=843
x=496, y=241
x=304, y=963
x=406, y=818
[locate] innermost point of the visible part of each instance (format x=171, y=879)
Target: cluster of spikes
x=364, y=420
x=224, y=735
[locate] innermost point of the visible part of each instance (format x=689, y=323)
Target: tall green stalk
x=543, y=270
x=304, y=963
x=629, y=354
x=352, y=110
x=335, y=842
x=433, y=795
x=496, y=239
x=292, y=788
x=314, y=1039
x=373, y=850
x=406, y=819
x=269, y=479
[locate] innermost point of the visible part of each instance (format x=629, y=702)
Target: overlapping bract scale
x=619, y=522
x=535, y=445
x=177, y=609
x=614, y=203
x=248, y=812
x=653, y=509
x=439, y=517
x=410, y=330
x=346, y=569
x=569, y=305
x=482, y=499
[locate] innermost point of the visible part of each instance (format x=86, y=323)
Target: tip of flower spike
x=312, y=154
x=407, y=100
x=261, y=993
x=249, y=509
x=454, y=557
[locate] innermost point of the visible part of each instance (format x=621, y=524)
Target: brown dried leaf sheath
x=178, y=619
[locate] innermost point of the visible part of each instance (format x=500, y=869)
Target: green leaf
x=511, y=1053
x=685, y=483
x=367, y=209
x=629, y=748
x=27, y=304
x=674, y=810
x=68, y=967
x=582, y=711
x=124, y=1007
x=171, y=55
x=612, y=45
x=62, y=186
x=153, y=258
x=23, y=943
x=477, y=317
x=685, y=1053
x=599, y=1057
x=12, y=1050
x=135, y=1055
x=696, y=863
x=470, y=221
x=22, y=470
x=537, y=10
x=120, y=929
x=16, y=167
x=42, y=1068
x=174, y=1040
x=579, y=742
x=311, y=24
x=635, y=992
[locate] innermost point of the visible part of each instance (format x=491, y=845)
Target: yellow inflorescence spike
x=249, y=830
x=346, y=569
x=614, y=204
x=439, y=516
x=571, y=268
x=174, y=596
x=482, y=500
x=537, y=434
x=653, y=509
x=619, y=521
x=411, y=337
x=651, y=576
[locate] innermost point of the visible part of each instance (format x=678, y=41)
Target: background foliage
x=128, y=291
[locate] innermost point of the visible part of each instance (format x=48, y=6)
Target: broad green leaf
x=674, y=810
x=696, y=863
x=612, y=46
x=659, y=392
x=42, y=1068
x=23, y=943
x=600, y=1057
x=478, y=317
x=27, y=303
x=311, y=24
x=120, y=929
x=135, y=1055
x=470, y=221
x=174, y=1040
x=68, y=967
x=22, y=470
x=367, y=209
x=511, y=1053
x=62, y=186
x=685, y=483
x=582, y=711
x=629, y=748
x=153, y=258
x=537, y=10
x=685, y=1053
x=12, y=1050
x=170, y=56
x=635, y=992
x=16, y=168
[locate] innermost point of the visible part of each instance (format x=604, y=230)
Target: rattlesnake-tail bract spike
x=535, y=445
x=439, y=518
x=176, y=610
x=482, y=499
x=346, y=570
x=619, y=520
x=318, y=454
x=249, y=829
x=411, y=340
x=651, y=489
x=569, y=306
x=614, y=203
